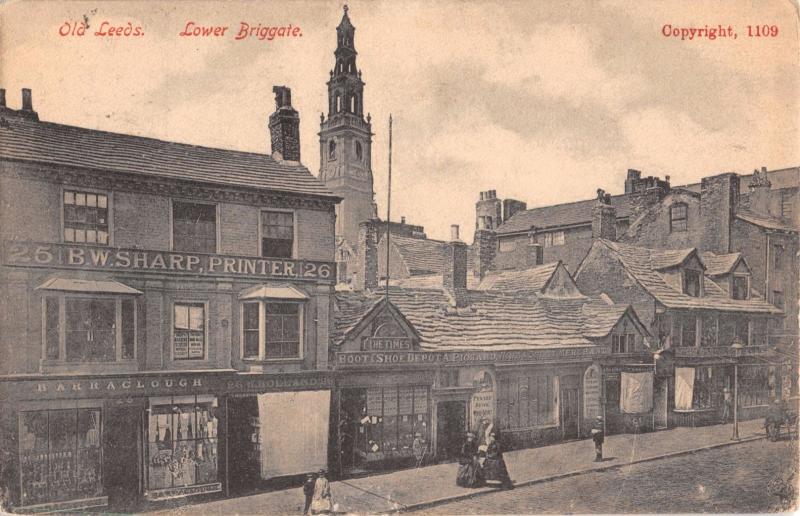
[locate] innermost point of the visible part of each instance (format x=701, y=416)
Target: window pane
x=102, y=237
x=128, y=329
x=250, y=344
x=181, y=316
x=194, y=227
x=80, y=235
x=91, y=236
x=91, y=200
x=196, y=317
x=275, y=248
x=69, y=197
x=51, y=328
x=250, y=316
x=80, y=199
x=89, y=474
x=102, y=201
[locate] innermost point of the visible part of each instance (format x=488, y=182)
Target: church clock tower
x=345, y=140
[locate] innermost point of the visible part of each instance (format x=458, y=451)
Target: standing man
x=726, y=408
x=598, y=436
x=308, y=491
x=419, y=448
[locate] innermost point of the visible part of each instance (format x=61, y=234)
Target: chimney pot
x=27, y=100
x=402, y=219
x=2, y=97
x=764, y=170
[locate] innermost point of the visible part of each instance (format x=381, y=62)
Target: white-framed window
x=88, y=328
x=678, y=217
x=278, y=233
x=85, y=217
x=189, y=330
x=194, y=227
x=272, y=329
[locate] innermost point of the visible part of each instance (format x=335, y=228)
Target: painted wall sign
x=591, y=392
x=361, y=359
x=388, y=344
x=161, y=385
x=71, y=256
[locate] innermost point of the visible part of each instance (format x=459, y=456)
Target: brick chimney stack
x=760, y=187
x=454, y=269
x=604, y=217
x=284, y=127
x=2, y=97
x=27, y=105
x=366, y=277
x=485, y=245
x=488, y=211
x=719, y=198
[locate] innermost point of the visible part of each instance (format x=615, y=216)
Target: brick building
x=524, y=349
x=696, y=306
x=166, y=311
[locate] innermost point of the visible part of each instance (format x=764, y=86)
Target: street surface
x=730, y=480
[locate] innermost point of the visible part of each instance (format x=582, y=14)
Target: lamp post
x=737, y=350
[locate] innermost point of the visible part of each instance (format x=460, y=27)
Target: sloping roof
x=56, y=144
x=719, y=264
x=762, y=221
x=638, y=262
x=421, y=255
x=492, y=320
x=350, y=309
x=430, y=281
x=533, y=279
x=94, y=286
x=666, y=258
x=567, y=214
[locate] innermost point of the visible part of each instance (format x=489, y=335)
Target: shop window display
x=708, y=388
x=60, y=455
x=182, y=443
x=385, y=421
x=757, y=385
x=526, y=402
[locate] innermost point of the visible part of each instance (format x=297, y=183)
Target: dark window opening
x=692, y=282
x=740, y=288
x=194, y=227
x=678, y=217
x=277, y=234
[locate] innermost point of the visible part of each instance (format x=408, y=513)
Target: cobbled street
x=731, y=479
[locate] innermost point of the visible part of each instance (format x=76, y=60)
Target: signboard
x=85, y=257
x=388, y=344
x=161, y=385
x=372, y=359
x=591, y=392
x=482, y=403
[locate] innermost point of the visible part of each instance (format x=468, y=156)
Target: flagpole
x=389, y=208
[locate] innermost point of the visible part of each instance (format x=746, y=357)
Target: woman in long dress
x=494, y=467
x=321, y=503
x=469, y=474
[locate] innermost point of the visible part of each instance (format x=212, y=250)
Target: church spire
x=345, y=89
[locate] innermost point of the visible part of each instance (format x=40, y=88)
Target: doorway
x=451, y=425
x=121, y=456
x=660, y=394
x=569, y=413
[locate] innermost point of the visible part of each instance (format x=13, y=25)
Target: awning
x=87, y=286
x=286, y=292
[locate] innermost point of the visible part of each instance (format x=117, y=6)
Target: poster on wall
x=482, y=402
x=636, y=392
x=684, y=387
x=591, y=392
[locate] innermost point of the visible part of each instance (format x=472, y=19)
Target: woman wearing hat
x=469, y=474
x=494, y=468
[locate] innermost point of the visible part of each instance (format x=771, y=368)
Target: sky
x=542, y=101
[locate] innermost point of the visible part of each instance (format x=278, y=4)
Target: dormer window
x=678, y=217
x=740, y=286
x=692, y=282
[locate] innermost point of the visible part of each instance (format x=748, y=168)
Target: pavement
x=415, y=489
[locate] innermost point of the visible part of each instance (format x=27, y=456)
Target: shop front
x=631, y=398
x=84, y=442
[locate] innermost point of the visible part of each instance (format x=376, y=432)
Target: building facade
x=165, y=306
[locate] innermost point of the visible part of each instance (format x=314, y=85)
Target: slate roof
x=764, y=222
x=666, y=258
x=567, y=214
x=638, y=261
x=106, y=152
x=423, y=256
x=430, y=281
x=719, y=264
x=533, y=279
x=493, y=320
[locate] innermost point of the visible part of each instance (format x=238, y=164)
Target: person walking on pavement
x=322, y=502
x=494, y=468
x=469, y=471
x=308, y=491
x=419, y=448
x=598, y=436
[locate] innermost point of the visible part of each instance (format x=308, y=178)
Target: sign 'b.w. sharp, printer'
x=36, y=254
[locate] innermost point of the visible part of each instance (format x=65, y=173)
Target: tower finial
x=345, y=9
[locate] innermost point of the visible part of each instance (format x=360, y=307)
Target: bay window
x=89, y=329
x=272, y=329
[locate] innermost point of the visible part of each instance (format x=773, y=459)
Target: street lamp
x=737, y=350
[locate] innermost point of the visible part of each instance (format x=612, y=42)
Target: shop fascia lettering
x=279, y=383
x=118, y=385
x=434, y=357
x=36, y=254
